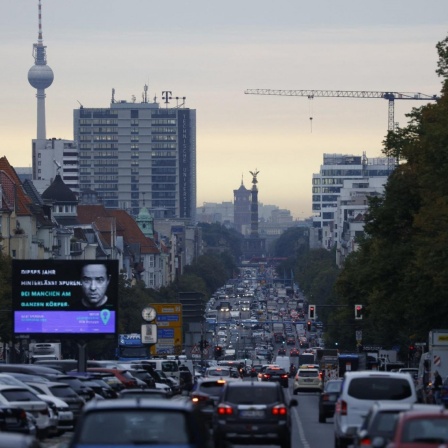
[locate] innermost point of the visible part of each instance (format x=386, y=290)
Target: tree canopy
x=400, y=272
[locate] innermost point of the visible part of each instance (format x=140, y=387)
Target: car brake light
x=343, y=410
x=266, y=375
x=279, y=410
x=366, y=442
x=325, y=397
x=225, y=409
x=221, y=382
x=22, y=415
x=198, y=398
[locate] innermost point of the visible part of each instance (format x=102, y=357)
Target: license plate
x=307, y=380
x=10, y=420
x=251, y=413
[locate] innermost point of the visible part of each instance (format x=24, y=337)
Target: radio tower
x=40, y=76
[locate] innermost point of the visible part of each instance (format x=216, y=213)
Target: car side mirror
x=293, y=402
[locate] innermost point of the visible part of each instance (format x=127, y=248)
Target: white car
x=65, y=420
x=359, y=391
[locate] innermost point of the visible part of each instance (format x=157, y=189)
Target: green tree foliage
x=5, y=298
x=291, y=242
x=218, y=238
x=400, y=273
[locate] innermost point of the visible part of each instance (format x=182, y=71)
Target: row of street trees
x=400, y=272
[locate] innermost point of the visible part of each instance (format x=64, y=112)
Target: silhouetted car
x=252, y=412
x=140, y=422
x=276, y=374
x=328, y=398
x=205, y=395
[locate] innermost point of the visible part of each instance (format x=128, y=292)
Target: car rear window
x=218, y=372
x=384, y=423
x=135, y=427
x=252, y=395
x=308, y=373
x=213, y=388
x=333, y=386
x=429, y=430
x=378, y=388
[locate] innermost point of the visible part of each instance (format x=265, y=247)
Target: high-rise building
x=133, y=152
x=327, y=185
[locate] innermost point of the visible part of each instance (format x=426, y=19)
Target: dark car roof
x=135, y=403
x=245, y=384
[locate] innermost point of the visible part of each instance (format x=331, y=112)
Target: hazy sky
x=210, y=52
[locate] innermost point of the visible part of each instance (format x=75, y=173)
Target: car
x=227, y=373
x=14, y=419
x=23, y=398
x=328, y=398
x=358, y=393
x=141, y=422
x=294, y=352
x=62, y=391
x=307, y=379
x=10, y=440
x=253, y=412
x=276, y=374
x=281, y=351
x=263, y=369
x=205, y=395
x=381, y=420
x=423, y=429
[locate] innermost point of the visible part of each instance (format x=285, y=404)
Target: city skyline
x=212, y=53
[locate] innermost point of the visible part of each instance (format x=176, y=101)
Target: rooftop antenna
x=80, y=105
x=113, y=95
x=145, y=93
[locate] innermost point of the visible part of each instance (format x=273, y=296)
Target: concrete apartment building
x=327, y=186
x=352, y=206
x=133, y=153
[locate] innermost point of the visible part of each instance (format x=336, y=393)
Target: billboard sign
x=64, y=297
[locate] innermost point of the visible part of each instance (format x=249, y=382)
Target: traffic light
x=308, y=325
x=218, y=352
x=358, y=312
x=412, y=351
x=311, y=311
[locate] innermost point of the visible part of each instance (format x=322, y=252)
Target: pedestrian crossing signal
x=358, y=312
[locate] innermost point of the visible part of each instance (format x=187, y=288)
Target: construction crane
x=390, y=96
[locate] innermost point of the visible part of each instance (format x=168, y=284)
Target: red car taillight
x=365, y=442
x=341, y=407
x=279, y=410
x=325, y=397
x=266, y=375
x=224, y=409
x=285, y=376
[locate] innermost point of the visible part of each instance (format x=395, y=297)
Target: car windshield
x=379, y=388
x=63, y=391
x=211, y=388
x=135, y=427
x=252, y=395
x=308, y=373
